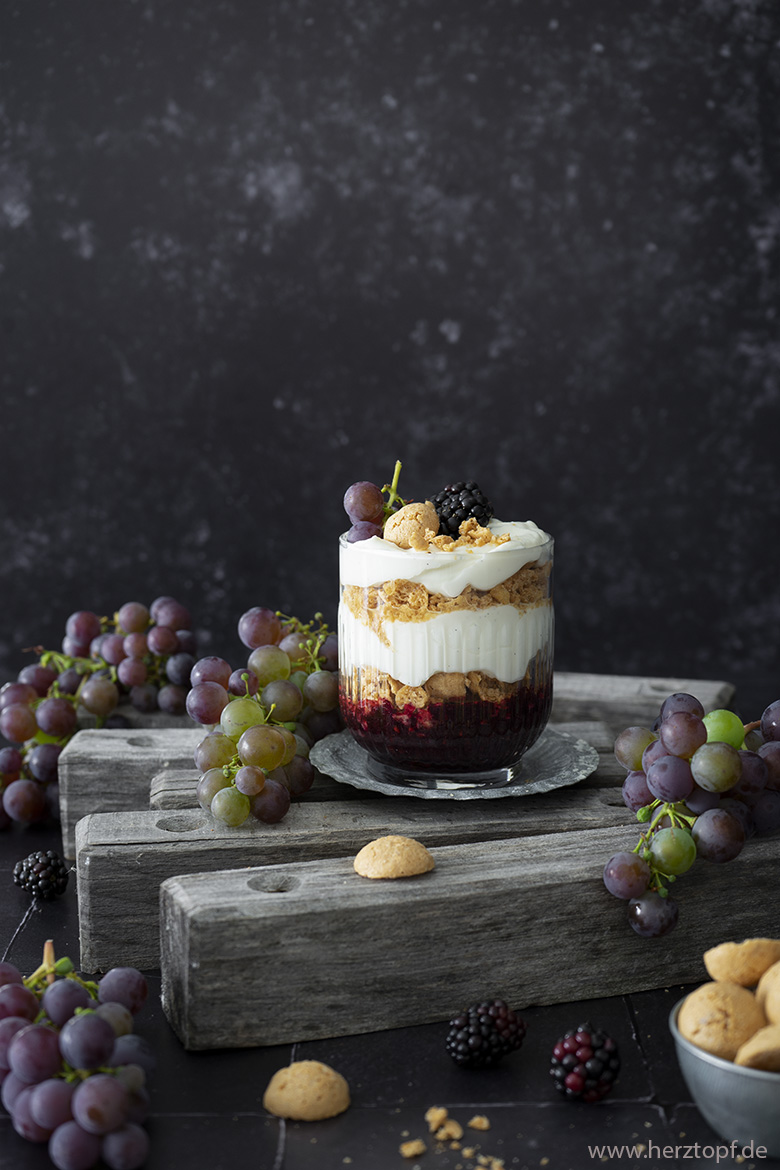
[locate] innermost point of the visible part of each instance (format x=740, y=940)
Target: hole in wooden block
x=140, y=741
x=279, y=883
x=181, y=823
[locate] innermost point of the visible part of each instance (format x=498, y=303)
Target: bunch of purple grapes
x=368, y=506
x=703, y=784
x=142, y=655
x=73, y=1072
x=264, y=717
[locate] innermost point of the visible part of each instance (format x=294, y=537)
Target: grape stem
x=391, y=490
x=658, y=810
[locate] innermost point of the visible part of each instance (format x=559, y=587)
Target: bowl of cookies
x=727, y=1036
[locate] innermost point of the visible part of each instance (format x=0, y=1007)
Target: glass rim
x=390, y=549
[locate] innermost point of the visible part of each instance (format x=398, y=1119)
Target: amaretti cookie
x=306, y=1090
x=720, y=1018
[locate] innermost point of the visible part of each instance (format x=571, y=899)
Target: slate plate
x=556, y=760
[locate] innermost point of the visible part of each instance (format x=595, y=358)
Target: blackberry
x=585, y=1064
x=457, y=502
x=484, y=1034
x=42, y=874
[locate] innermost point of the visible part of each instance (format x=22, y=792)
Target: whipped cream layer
x=499, y=640
x=372, y=561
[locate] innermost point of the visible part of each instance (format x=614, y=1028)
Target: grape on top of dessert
x=445, y=629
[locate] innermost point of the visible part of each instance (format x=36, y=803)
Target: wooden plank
x=109, y=770
x=123, y=859
x=500, y=920
x=174, y=788
x=622, y=700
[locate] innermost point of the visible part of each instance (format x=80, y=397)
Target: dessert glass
x=446, y=657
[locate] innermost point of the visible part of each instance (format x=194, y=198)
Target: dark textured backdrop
x=252, y=252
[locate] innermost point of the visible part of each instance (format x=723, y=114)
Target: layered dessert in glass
x=446, y=643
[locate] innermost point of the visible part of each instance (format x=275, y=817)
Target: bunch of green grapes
x=142, y=654
x=702, y=784
x=264, y=717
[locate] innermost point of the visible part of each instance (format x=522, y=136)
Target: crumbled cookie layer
x=409, y=601
x=368, y=683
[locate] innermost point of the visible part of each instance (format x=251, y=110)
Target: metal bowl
x=740, y=1104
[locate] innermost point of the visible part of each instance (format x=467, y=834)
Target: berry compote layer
x=445, y=645
x=458, y=735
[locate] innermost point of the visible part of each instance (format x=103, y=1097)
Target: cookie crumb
x=435, y=1116
x=413, y=1148
x=449, y=1131
x=479, y=1121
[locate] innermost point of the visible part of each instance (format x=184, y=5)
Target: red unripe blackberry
x=585, y=1064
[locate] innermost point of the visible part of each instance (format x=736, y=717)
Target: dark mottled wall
x=251, y=252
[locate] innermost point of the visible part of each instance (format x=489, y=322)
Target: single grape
x=211, y=782
x=682, y=733
x=673, y=850
x=94, y=647
x=39, y=677
x=11, y=761
x=238, y=715
x=214, y=751
x=99, y=695
x=162, y=640
x=18, y=722
x=321, y=690
x=131, y=1075
x=363, y=501
x=299, y=775
x=10, y=1090
x=112, y=649
x=172, y=699
x=144, y=697
x=25, y=802
x=101, y=1103
x=178, y=668
x=753, y=778
x=56, y=717
x=770, y=722
x=206, y=702
x=72, y=1148
x=9, y=973
x=43, y=762
x=626, y=875
x=230, y=806
x=259, y=626
x=133, y=617
x=16, y=692
x=131, y=672
x=716, y=766
x=119, y=1017
x=770, y=754
x=329, y=653
x=126, y=1148
x=133, y=1049
x=74, y=649
x=210, y=669
x=766, y=812
x=34, y=1053
x=50, y=1102
x=22, y=1118
x=290, y=745
x=250, y=780
x=699, y=800
x=285, y=699
x=651, y=915
x=61, y=998
x=136, y=646
x=718, y=835
x=322, y=723
x=670, y=779
x=243, y=682
x=125, y=985
x=630, y=745
x=269, y=663
x=171, y=614
x=83, y=626
x=724, y=727
x=363, y=530
x=272, y=804
x=9, y=1026
x=261, y=746
x=740, y=811
x=87, y=1041
x=681, y=701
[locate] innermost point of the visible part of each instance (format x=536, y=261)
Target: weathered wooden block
x=110, y=770
x=123, y=859
x=323, y=952
x=621, y=700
